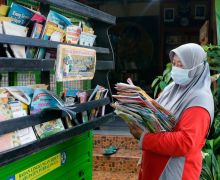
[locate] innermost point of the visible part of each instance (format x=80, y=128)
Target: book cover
x=71, y=96
x=14, y=109
x=54, y=30
x=75, y=63
x=19, y=95
x=17, y=138
x=5, y=112
x=99, y=95
x=20, y=15
x=83, y=99
x=43, y=99
x=73, y=34
x=36, y=34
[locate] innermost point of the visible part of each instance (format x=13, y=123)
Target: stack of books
x=134, y=105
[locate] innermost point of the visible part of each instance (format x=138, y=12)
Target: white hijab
x=177, y=98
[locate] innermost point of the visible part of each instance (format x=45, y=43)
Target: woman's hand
x=135, y=130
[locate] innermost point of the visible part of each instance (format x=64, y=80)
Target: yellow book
x=3, y=10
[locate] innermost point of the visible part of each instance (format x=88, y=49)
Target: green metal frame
x=78, y=149
x=77, y=165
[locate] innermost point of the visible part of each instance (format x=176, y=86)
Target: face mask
x=181, y=76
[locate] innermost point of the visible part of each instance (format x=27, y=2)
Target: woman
x=177, y=155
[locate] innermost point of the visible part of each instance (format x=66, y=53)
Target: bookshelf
x=76, y=142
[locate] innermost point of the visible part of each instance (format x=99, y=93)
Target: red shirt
x=187, y=140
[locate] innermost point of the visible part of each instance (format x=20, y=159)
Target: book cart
x=67, y=154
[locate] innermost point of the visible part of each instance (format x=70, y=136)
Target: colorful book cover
x=36, y=34
x=43, y=99
x=75, y=63
x=71, y=96
x=5, y=112
x=83, y=99
x=55, y=26
x=73, y=34
x=20, y=15
x=14, y=109
x=19, y=95
x=17, y=138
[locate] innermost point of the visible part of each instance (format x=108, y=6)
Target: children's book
x=17, y=138
x=35, y=26
x=83, y=99
x=75, y=63
x=54, y=30
x=19, y=95
x=36, y=34
x=14, y=109
x=43, y=99
x=73, y=34
x=20, y=15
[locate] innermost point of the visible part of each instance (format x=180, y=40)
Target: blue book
x=20, y=15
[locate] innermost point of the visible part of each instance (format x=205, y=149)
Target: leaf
x=206, y=172
x=167, y=78
x=154, y=82
x=166, y=72
x=169, y=66
x=215, y=167
x=216, y=144
x=215, y=68
x=155, y=91
x=217, y=128
x=160, y=77
x=162, y=85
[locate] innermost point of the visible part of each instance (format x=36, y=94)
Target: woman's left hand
x=135, y=130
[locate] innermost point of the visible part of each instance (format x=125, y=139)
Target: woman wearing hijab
x=177, y=155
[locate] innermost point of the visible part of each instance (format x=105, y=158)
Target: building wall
x=132, y=9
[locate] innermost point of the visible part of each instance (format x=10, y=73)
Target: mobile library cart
x=67, y=154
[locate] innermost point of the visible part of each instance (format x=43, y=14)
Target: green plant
x=213, y=56
x=162, y=81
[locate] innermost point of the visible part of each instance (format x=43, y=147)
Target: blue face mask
x=181, y=76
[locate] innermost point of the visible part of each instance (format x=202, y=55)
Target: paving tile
x=103, y=175
x=124, y=160
x=120, y=141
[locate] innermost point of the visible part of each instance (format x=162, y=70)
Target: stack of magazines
x=134, y=105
